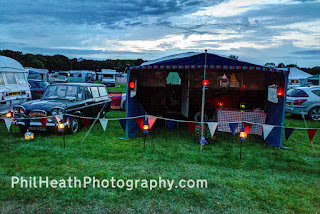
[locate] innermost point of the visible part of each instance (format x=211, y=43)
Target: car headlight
x=18, y=110
x=57, y=111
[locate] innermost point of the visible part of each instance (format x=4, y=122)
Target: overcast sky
x=257, y=31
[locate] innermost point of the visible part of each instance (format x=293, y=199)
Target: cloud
x=308, y=52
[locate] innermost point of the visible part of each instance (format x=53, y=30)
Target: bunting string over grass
x=267, y=129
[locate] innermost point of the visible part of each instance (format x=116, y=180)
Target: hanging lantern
x=280, y=92
x=61, y=127
x=242, y=106
x=220, y=105
x=145, y=127
x=243, y=134
x=132, y=85
x=28, y=136
x=205, y=82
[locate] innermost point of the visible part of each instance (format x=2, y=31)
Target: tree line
x=60, y=62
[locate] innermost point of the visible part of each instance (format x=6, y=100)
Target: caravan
x=14, y=87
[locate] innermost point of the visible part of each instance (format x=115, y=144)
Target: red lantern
x=132, y=85
x=205, y=82
x=280, y=92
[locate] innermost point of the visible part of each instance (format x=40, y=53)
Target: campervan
x=108, y=77
x=14, y=87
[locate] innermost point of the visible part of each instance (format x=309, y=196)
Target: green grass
x=120, y=87
x=267, y=180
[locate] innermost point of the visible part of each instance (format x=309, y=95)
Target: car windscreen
x=61, y=92
x=297, y=93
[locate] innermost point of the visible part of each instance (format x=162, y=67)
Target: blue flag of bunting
x=123, y=123
x=288, y=132
x=233, y=127
x=26, y=123
x=170, y=124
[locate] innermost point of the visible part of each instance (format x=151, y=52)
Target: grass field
x=267, y=180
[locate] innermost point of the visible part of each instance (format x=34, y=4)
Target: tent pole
x=203, y=99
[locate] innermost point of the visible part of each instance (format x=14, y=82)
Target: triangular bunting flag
x=104, y=123
x=86, y=122
x=311, y=133
x=192, y=127
x=212, y=127
x=140, y=122
x=123, y=123
x=170, y=124
x=8, y=122
x=43, y=121
x=151, y=121
x=26, y=123
x=233, y=127
x=247, y=127
x=266, y=130
x=288, y=132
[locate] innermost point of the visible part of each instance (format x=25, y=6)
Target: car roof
x=35, y=80
x=79, y=84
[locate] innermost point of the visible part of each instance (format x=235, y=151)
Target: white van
x=108, y=77
x=14, y=87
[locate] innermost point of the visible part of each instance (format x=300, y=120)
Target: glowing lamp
x=205, y=82
x=61, y=127
x=280, y=92
x=145, y=127
x=9, y=114
x=220, y=105
x=28, y=136
x=243, y=134
x=132, y=85
x=242, y=106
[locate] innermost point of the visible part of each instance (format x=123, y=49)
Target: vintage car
x=77, y=99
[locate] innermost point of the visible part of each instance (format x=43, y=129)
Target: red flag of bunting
x=247, y=127
x=192, y=127
x=86, y=122
x=43, y=122
x=311, y=133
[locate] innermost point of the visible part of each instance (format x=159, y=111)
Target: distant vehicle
x=304, y=100
x=108, y=77
x=59, y=77
x=79, y=99
x=14, y=88
x=37, y=88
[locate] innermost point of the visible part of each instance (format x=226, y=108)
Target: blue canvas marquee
x=149, y=80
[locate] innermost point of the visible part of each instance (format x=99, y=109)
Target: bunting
x=140, y=122
x=43, y=122
x=266, y=130
x=247, y=127
x=233, y=127
x=26, y=123
x=311, y=133
x=192, y=127
x=86, y=122
x=288, y=132
x=8, y=122
x=212, y=127
x=170, y=124
x=151, y=120
x=123, y=123
x=104, y=123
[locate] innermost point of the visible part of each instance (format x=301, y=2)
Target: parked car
x=37, y=88
x=79, y=99
x=304, y=100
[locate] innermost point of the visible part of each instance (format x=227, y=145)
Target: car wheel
x=73, y=125
x=314, y=113
x=197, y=117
